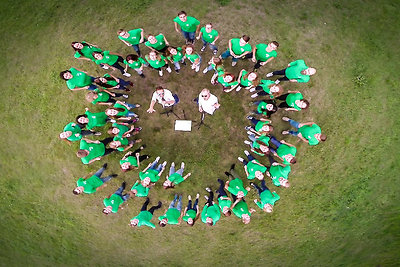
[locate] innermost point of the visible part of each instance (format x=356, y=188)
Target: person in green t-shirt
x=241, y=209
x=84, y=50
x=189, y=26
x=139, y=190
x=190, y=213
x=158, y=62
x=261, y=126
x=293, y=101
x=124, y=129
x=132, y=160
x=132, y=38
x=114, y=201
x=264, y=53
x=285, y=151
x=152, y=172
x=225, y=79
x=247, y=80
x=308, y=132
x=209, y=36
x=252, y=167
x=103, y=97
x=90, y=151
x=238, y=48
x=267, y=88
x=175, y=177
x=215, y=64
x=267, y=198
x=265, y=107
x=145, y=215
x=211, y=212
x=122, y=110
x=224, y=202
x=194, y=58
x=175, y=55
x=77, y=80
x=157, y=43
x=172, y=215
x=136, y=63
x=278, y=172
x=94, y=183
x=106, y=60
x=296, y=72
x=259, y=143
x=109, y=81
x=73, y=132
x=91, y=120
x=122, y=143
x=235, y=185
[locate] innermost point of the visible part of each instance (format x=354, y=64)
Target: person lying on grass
x=252, y=167
x=241, y=209
x=94, y=183
x=224, y=202
x=261, y=126
x=90, y=150
x=235, y=185
x=132, y=160
x=152, y=172
x=279, y=173
x=267, y=198
x=259, y=143
x=190, y=214
x=284, y=151
x=172, y=214
x=114, y=201
x=73, y=132
x=308, y=132
x=145, y=216
x=175, y=177
x=211, y=213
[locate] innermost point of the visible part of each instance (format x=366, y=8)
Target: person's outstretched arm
x=151, y=108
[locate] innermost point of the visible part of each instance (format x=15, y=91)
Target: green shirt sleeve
x=203, y=214
x=259, y=204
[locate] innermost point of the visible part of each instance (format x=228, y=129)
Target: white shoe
x=246, y=153
x=160, y=73
x=105, y=67
x=234, y=63
x=277, y=81
x=254, y=95
x=208, y=189
x=269, y=74
x=205, y=70
x=197, y=68
x=125, y=96
x=285, y=132
x=193, y=66
x=169, y=70
x=113, y=121
x=247, y=142
x=157, y=159
x=250, y=133
x=127, y=74
x=285, y=119
x=198, y=195
x=164, y=163
x=238, y=88
x=240, y=159
x=173, y=164
x=252, y=90
x=206, y=197
x=189, y=197
x=202, y=49
x=182, y=165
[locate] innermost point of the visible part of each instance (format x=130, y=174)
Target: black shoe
x=184, y=63
x=233, y=166
x=105, y=165
x=123, y=184
x=114, y=175
x=220, y=180
x=159, y=203
x=142, y=75
x=177, y=71
x=227, y=174
x=142, y=147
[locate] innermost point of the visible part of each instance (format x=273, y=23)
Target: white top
x=167, y=97
x=208, y=105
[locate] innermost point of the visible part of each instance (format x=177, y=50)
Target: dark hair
x=167, y=52
x=80, y=124
x=62, y=74
x=246, y=38
x=82, y=153
x=293, y=160
x=274, y=107
x=159, y=88
x=228, y=213
x=182, y=13
x=162, y=224
x=79, y=50
x=132, y=57
x=323, y=137
x=210, y=223
x=275, y=43
x=307, y=103
x=120, y=30
x=75, y=193
x=106, y=85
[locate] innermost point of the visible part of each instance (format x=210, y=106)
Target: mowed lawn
x=343, y=205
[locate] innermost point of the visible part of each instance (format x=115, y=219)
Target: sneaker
x=193, y=66
x=202, y=49
x=105, y=165
x=160, y=73
x=246, y=152
x=233, y=166
x=277, y=81
x=97, y=133
x=177, y=71
x=127, y=74
x=125, y=96
x=142, y=75
x=169, y=70
x=249, y=132
x=270, y=74
x=138, y=129
x=114, y=175
x=215, y=52
x=158, y=158
x=112, y=120
x=182, y=165
x=238, y=88
x=123, y=184
x=173, y=164
x=205, y=70
x=142, y=147
x=189, y=197
x=285, y=119
x=197, y=195
x=227, y=174
x=247, y=142
x=206, y=197
x=164, y=163
x=247, y=128
x=105, y=67
x=240, y=159
x=285, y=132
x=234, y=63
x=252, y=184
x=249, y=117
x=137, y=105
x=208, y=189
x=197, y=68
x=252, y=90
x=254, y=95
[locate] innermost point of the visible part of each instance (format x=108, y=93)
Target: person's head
x=190, y=221
x=134, y=223
x=66, y=75
x=172, y=50
x=97, y=55
x=266, y=128
x=246, y=218
x=208, y=27
x=167, y=184
x=65, y=135
x=240, y=194
x=123, y=33
x=77, y=45
x=115, y=144
x=182, y=16
x=91, y=96
x=284, y=182
x=309, y=71
x=268, y=208
x=217, y=61
x=131, y=58
x=276, y=89
x=259, y=175
x=205, y=94
x=152, y=39
x=160, y=91
x=82, y=119
x=113, y=131
x=189, y=49
x=270, y=107
x=251, y=76
x=153, y=55
x=107, y=210
x=226, y=211
x=146, y=182
x=78, y=190
x=228, y=77
x=163, y=222
x=264, y=149
x=244, y=40
x=290, y=158
x=111, y=112
x=82, y=153
x=209, y=221
x=303, y=104
x=273, y=45
x=320, y=137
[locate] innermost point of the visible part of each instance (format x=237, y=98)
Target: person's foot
x=208, y=189
x=112, y=120
x=252, y=90
x=197, y=68
x=127, y=74
x=206, y=197
x=131, y=83
x=249, y=117
x=138, y=141
x=105, y=67
x=123, y=184
x=173, y=164
x=158, y=158
x=215, y=52
x=177, y=71
x=238, y=88
x=114, y=175
x=233, y=166
x=247, y=142
x=285, y=119
x=97, y=133
x=252, y=184
x=197, y=196
x=159, y=203
x=270, y=74
x=248, y=128
x=137, y=106
x=227, y=174
x=105, y=165
x=142, y=147
x=202, y=49
x=169, y=70
x=142, y=75
x=164, y=164
x=234, y=63
x=240, y=159
x=189, y=197
x=138, y=129
x=205, y=70
x=254, y=95
x=249, y=132
x=182, y=165
x=220, y=180
x=160, y=73
x=125, y=96
x=246, y=152
x=127, y=90
x=285, y=132
x=277, y=81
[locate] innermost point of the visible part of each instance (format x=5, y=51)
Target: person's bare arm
x=148, y=166
x=254, y=55
x=291, y=109
x=93, y=160
x=286, y=143
x=151, y=108
x=245, y=170
x=176, y=26
x=165, y=39
x=187, y=176
x=200, y=34
x=216, y=39
x=137, y=159
x=141, y=36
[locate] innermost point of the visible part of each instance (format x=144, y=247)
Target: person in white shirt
x=163, y=97
x=207, y=102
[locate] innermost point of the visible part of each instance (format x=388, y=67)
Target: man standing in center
x=207, y=102
x=189, y=26
x=163, y=97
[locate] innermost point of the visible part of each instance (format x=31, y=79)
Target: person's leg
x=254, y=121
x=179, y=206
x=275, y=141
x=226, y=54
x=131, y=105
x=196, y=202
x=180, y=171
x=125, y=197
x=252, y=137
x=234, y=59
x=106, y=179
x=160, y=166
x=294, y=123
x=144, y=207
x=250, y=157
x=263, y=186
x=294, y=133
x=256, y=103
x=120, y=189
x=177, y=66
x=204, y=44
x=87, y=132
x=106, y=141
x=154, y=163
x=118, y=66
x=143, y=157
x=171, y=169
x=139, y=71
x=118, y=95
x=213, y=48
x=99, y=172
x=152, y=209
x=259, y=190
x=234, y=198
x=136, y=47
x=244, y=162
x=192, y=36
x=262, y=93
x=221, y=191
x=185, y=35
x=282, y=97
x=172, y=204
x=131, y=114
x=283, y=105
x=279, y=72
x=108, y=151
x=189, y=206
x=210, y=198
x=257, y=65
x=271, y=159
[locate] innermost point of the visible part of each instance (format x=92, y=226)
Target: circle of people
x=106, y=89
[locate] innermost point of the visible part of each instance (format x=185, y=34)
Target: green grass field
x=343, y=205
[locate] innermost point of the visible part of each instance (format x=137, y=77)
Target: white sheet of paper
x=183, y=125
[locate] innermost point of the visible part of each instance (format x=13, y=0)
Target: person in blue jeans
x=190, y=26
x=113, y=202
x=93, y=183
x=209, y=36
x=110, y=82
